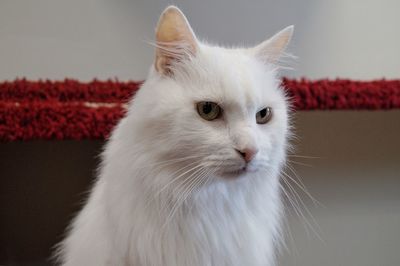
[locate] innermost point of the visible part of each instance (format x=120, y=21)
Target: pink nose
x=248, y=153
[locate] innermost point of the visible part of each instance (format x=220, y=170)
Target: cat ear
x=271, y=49
x=175, y=40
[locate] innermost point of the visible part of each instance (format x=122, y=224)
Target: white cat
x=190, y=176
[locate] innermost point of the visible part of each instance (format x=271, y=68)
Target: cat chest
x=208, y=241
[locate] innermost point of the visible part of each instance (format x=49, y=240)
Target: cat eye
x=264, y=115
x=209, y=110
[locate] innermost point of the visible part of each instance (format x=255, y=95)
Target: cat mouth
x=236, y=173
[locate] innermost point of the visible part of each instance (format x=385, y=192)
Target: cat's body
x=176, y=189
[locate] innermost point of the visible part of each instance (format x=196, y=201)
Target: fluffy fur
x=171, y=189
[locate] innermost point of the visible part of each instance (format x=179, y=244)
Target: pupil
x=263, y=112
x=207, y=108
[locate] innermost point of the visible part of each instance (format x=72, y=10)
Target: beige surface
x=357, y=180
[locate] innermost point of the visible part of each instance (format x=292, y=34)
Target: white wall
x=104, y=38
x=357, y=179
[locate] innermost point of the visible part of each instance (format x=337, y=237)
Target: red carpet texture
x=71, y=109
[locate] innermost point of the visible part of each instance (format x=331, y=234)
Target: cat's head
x=212, y=109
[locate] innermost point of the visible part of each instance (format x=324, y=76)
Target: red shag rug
x=75, y=110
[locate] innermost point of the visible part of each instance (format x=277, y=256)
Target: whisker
x=304, y=156
x=295, y=204
x=171, y=161
x=181, y=172
x=180, y=175
x=181, y=187
x=301, y=185
x=287, y=227
x=299, y=163
x=300, y=204
x=191, y=186
x=176, y=179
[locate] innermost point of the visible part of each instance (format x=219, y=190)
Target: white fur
x=136, y=216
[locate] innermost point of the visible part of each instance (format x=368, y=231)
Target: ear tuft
x=271, y=49
x=175, y=39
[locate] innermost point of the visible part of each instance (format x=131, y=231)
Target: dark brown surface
x=42, y=185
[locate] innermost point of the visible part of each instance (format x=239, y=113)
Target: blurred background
x=355, y=174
